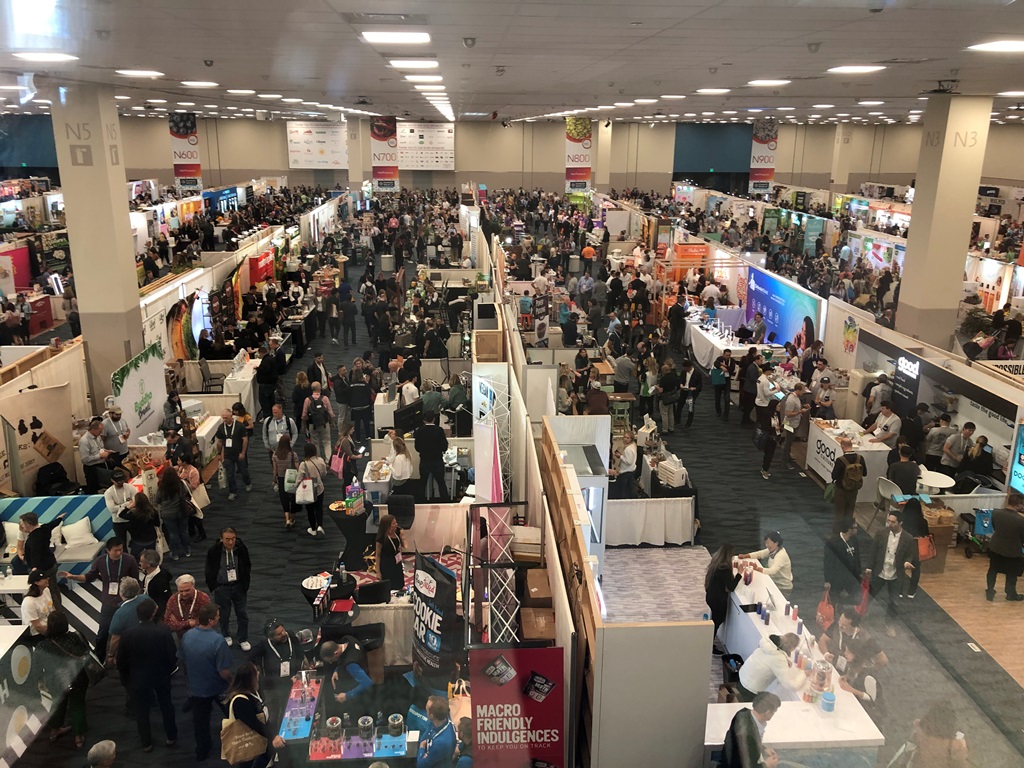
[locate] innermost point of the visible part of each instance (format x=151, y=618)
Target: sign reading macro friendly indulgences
x=426, y=146
x=317, y=145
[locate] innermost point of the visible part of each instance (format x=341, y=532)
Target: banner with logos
x=384, y=153
x=426, y=146
x=578, y=144
x=139, y=388
x=518, y=707
x=790, y=313
x=40, y=426
x=435, y=634
x=762, y=154
x=188, y=165
x=317, y=145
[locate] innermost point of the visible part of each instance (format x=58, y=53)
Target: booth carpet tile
x=281, y=559
x=930, y=661
x=630, y=572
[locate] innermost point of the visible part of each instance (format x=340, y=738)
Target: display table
x=648, y=521
x=206, y=437
x=823, y=450
x=933, y=482
x=397, y=618
x=377, y=490
x=384, y=411
x=13, y=585
x=707, y=347
x=42, y=316
x=241, y=384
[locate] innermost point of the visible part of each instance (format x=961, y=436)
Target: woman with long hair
x=62, y=657
x=388, y=550
x=245, y=703
x=978, y=458
x=346, y=444
x=143, y=522
x=860, y=678
x=315, y=468
x=283, y=458
x=719, y=582
x=36, y=606
x=399, y=458
x=170, y=501
x=300, y=392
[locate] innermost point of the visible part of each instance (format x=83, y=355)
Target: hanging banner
x=317, y=145
x=139, y=388
x=762, y=154
x=518, y=707
x=40, y=422
x=384, y=153
x=188, y=166
x=435, y=634
x=578, y=143
x=426, y=146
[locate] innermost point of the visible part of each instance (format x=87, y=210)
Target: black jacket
x=213, y=558
x=696, y=381
x=146, y=654
x=843, y=565
x=1008, y=533
x=742, y=748
x=159, y=588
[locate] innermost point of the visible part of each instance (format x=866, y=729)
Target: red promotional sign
x=261, y=268
x=518, y=708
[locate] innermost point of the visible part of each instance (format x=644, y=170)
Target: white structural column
x=948, y=172
x=91, y=162
x=841, y=154
x=359, y=151
x=603, y=166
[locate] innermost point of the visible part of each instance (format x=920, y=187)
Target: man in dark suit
x=895, y=560
x=743, y=747
x=843, y=567
x=157, y=582
x=1005, y=549
x=690, y=384
x=146, y=658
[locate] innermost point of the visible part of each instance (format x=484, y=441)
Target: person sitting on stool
x=625, y=474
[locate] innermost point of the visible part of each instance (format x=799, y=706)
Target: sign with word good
x=435, y=634
x=384, y=153
x=426, y=146
x=518, y=707
x=762, y=154
x=579, y=142
x=317, y=145
x=139, y=388
x=906, y=381
x=188, y=164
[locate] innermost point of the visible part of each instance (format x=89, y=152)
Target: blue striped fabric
x=75, y=507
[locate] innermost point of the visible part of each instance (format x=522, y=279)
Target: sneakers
x=990, y=595
x=245, y=645
x=229, y=641
x=765, y=475
x=232, y=497
x=311, y=532
x=320, y=531
x=248, y=488
x=188, y=553
x=334, y=341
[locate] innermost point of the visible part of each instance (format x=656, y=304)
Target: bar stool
x=620, y=417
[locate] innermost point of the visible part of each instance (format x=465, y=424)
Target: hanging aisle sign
x=578, y=144
x=188, y=165
x=384, y=153
x=762, y=154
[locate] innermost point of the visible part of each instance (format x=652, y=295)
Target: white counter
x=823, y=450
x=384, y=410
x=241, y=384
x=648, y=521
x=707, y=347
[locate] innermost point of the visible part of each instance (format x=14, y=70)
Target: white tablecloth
x=730, y=316
x=206, y=436
x=823, y=450
x=648, y=521
x=241, y=384
x=707, y=347
x=397, y=620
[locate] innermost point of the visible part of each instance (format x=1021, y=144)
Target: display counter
x=242, y=384
x=823, y=450
x=42, y=315
x=649, y=521
x=397, y=618
x=707, y=346
x=384, y=410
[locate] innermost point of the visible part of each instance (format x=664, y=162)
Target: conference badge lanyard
x=190, y=608
x=112, y=585
x=285, y=664
x=430, y=741
x=232, y=571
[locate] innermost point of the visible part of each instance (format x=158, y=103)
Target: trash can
x=574, y=263
x=387, y=263
x=731, y=664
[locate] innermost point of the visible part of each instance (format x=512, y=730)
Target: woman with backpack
x=283, y=458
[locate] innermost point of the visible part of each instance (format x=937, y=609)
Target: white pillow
x=55, y=536
x=79, y=533
x=12, y=532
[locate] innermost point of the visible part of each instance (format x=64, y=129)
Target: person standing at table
x=764, y=399
x=848, y=473
x=116, y=434
x=793, y=410
x=723, y=370
x=955, y=448
x=388, y=550
x=743, y=747
x=719, y=582
x=1005, y=548
x=886, y=427
x=438, y=746
x=758, y=329
x=935, y=440
x=95, y=457
x=779, y=567
x=625, y=473
x=895, y=561
x=771, y=661
x=431, y=443
x=824, y=399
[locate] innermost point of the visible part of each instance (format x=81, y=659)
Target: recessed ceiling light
x=186, y=103
x=210, y=106
x=673, y=97
x=1011, y=94
x=996, y=46
x=785, y=109
x=397, y=38
x=646, y=101
x=230, y=107
x=712, y=91
x=122, y=98
x=876, y=114
x=241, y=91
x=414, y=63
x=157, y=101
x=814, y=117
x=823, y=106
x=729, y=112
x=424, y=79
x=291, y=100
x=856, y=69
x=429, y=87
x=755, y=110
x=269, y=96
x=181, y=111
x=199, y=83
x=161, y=109
x=623, y=103
x=689, y=114
x=706, y=114
x=248, y=109
x=842, y=114
x=138, y=109
x=768, y=83
x=139, y=72
x=45, y=57
x=871, y=103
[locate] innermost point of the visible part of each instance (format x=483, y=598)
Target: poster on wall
x=789, y=313
x=21, y=272
x=317, y=145
x=426, y=146
x=139, y=388
x=851, y=333
x=40, y=420
x=435, y=632
x=188, y=166
x=518, y=707
x=384, y=153
x=54, y=250
x=179, y=332
x=154, y=329
x=762, y=154
x=578, y=143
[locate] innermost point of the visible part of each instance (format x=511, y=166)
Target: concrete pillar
x=842, y=151
x=91, y=162
x=603, y=166
x=948, y=173
x=359, y=169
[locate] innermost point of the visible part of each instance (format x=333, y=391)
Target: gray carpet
x=629, y=573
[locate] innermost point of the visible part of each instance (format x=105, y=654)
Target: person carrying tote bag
x=243, y=735
x=310, y=491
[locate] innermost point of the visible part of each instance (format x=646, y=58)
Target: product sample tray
x=350, y=746
x=298, y=712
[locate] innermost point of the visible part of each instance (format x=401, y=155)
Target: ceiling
x=524, y=58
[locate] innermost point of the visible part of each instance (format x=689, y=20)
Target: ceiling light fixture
x=646, y=101
x=713, y=91
x=422, y=88
x=996, y=46
x=157, y=101
x=45, y=57
x=1011, y=94
x=623, y=103
x=396, y=38
x=425, y=79
x=823, y=106
x=122, y=98
x=871, y=103
x=268, y=96
x=768, y=83
x=785, y=109
x=199, y=83
x=414, y=63
x=291, y=100
x=186, y=103
x=673, y=97
x=856, y=69
x=139, y=73
x=241, y=91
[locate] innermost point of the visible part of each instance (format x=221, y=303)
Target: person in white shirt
x=886, y=427
x=821, y=370
x=410, y=392
x=116, y=433
x=540, y=285
x=296, y=293
x=399, y=459
x=37, y=604
x=779, y=568
x=765, y=391
x=955, y=448
x=119, y=498
x=625, y=474
x=770, y=662
x=94, y=455
x=710, y=291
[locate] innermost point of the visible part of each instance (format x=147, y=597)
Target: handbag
x=238, y=742
x=200, y=497
x=826, y=612
x=865, y=597
x=222, y=477
x=291, y=479
x=161, y=542
x=830, y=492
x=305, y=492
x=338, y=463
x=926, y=548
x=671, y=397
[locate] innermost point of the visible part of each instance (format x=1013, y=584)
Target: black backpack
x=52, y=480
x=317, y=411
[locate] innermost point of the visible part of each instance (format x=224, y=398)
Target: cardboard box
x=538, y=589
x=538, y=623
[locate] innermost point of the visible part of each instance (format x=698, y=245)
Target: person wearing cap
x=95, y=457
x=825, y=399
x=119, y=498
x=280, y=656
x=771, y=661
x=597, y=400
x=877, y=395
x=36, y=605
x=821, y=371
x=116, y=433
